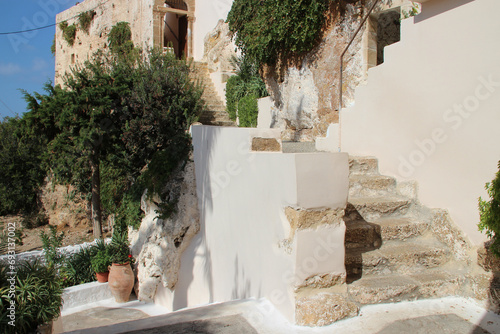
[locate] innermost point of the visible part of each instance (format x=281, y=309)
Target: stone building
x=181, y=25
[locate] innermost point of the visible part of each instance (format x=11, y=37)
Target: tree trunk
x=96, y=198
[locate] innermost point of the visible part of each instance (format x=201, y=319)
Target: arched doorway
x=175, y=31
x=175, y=26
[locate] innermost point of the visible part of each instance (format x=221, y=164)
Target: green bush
x=119, y=249
x=85, y=19
x=21, y=168
x=266, y=30
x=51, y=244
x=246, y=82
x=248, y=111
x=234, y=92
x=37, y=295
x=101, y=261
x=490, y=213
x=120, y=38
x=69, y=32
x=77, y=268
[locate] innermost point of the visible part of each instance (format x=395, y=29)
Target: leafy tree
x=20, y=166
x=118, y=114
x=490, y=213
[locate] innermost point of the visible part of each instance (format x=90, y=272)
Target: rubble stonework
x=159, y=243
x=219, y=49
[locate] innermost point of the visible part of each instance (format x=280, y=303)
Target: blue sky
x=25, y=59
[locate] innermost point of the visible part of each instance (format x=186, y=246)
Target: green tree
x=20, y=166
x=119, y=114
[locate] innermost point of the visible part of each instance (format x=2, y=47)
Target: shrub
x=234, y=92
x=490, y=213
x=248, y=111
x=21, y=168
x=119, y=248
x=51, y=244
x=246, y=82
x=37, y=293
x=77, y=268
x=85, y=19
x=120, y=38
x=101, y=261
x=69, y=32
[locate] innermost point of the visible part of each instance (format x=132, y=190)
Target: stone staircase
x=214, y=112
x=399, y=250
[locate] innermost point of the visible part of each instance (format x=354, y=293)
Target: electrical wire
x=50, y=25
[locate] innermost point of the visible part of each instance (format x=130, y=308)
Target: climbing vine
x=268, y=29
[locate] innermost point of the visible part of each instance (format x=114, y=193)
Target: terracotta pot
x=102, y=277
x=121, y=281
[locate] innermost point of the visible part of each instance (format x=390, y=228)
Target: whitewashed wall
x=242, y=249
x=431, y=112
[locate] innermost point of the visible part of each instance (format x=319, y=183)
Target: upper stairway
x=214, y=112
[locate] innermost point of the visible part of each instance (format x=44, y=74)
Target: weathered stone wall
x=63, y=205
x=219, y=48
x=159, y=243
x=306, y=96
x=138, y=13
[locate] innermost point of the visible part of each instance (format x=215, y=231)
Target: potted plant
x=100, y=264
x=121, y=276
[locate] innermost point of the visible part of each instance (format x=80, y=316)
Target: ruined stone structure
x=154, y=23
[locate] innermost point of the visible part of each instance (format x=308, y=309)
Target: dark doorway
x=388, y=31
x=176, y=29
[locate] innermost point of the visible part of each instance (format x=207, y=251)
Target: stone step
x=434, y=283
x=373, y=208
x=360, y=234
x=363, y=165
x=215, y=107
x=364, y=185
x=401, y=228
x=396, y=256
x=213, y=113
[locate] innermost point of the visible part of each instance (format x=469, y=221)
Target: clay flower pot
x=121, y=281
x=102, y=277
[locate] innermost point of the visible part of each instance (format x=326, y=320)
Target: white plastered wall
x=242, y=250
x=431, y=112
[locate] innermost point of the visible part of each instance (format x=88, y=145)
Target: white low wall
x=244, y=248
x=431, y=111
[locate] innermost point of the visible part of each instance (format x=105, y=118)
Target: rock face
x=159, y=243
x=306, y=90
x=219, y=49
x=62, y=206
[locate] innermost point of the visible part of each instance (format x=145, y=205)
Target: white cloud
x=39, y=64
x=9, y=69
